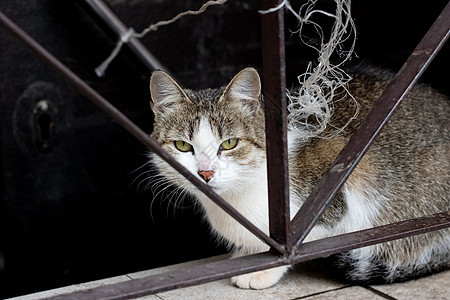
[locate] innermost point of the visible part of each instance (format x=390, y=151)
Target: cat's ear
x=244, y=87
x=165, y=92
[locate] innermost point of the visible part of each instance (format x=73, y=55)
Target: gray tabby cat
x=218, y=134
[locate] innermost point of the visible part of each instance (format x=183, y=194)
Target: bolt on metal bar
x=120, y=29
x=361, y=140
x=226, y=268
x=274, y=87
x=128, y=125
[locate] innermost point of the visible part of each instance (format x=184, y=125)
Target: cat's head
x=217, y=134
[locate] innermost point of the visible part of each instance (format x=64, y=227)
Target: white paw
x=259, y=280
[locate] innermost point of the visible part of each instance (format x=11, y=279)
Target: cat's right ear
x=245, y=87
x=165, y=92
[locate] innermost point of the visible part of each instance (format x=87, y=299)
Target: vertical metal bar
x=132, y=128
x=119, y=28
x=361, y=140
x=274, y=87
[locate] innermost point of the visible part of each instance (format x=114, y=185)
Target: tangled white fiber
x=311, y=106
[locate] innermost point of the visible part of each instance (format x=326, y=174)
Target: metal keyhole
x=43, y=118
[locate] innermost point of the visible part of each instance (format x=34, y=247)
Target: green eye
x=183, y=146
x=228, y=144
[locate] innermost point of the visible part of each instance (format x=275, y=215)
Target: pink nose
x=206, y=174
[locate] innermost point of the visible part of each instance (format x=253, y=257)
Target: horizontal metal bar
x=126, y=123
x=226, y=268
x=274, y=87
x=120, y=29
x=340, y=170
x=177, y=279
x=337, y=244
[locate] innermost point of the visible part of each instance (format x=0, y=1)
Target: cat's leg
x=258, y=280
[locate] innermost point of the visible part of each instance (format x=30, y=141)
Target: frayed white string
x=154, y=27
x=100, y=70
x=271, y=10
x=321, y=86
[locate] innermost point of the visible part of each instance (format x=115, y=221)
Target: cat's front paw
x=259, y=280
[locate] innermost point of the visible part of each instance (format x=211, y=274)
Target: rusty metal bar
x=120, y=29
x=178, y=279
x=359, y=143
x=126, y=123
x=345, y=242
x=226, y=268
x=274, y=87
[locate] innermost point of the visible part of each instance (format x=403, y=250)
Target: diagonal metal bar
x=127, y=124
x=226, y=268
x=274, y=87
x=332, y=181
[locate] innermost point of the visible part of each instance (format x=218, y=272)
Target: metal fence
x=286, y=236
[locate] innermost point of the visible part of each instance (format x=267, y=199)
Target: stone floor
x=307, y=281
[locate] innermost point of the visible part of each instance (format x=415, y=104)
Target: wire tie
x=124, y=38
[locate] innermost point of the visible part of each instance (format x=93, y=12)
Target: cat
x=218, y=134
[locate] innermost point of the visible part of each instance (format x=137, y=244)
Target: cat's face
x=217, y=134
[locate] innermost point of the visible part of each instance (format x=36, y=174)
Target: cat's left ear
x=244, y=87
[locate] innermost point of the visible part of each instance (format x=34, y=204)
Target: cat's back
x=411, y=156
x=408, y=162
x=412, y=153
x=405, y=174
x=421, y=118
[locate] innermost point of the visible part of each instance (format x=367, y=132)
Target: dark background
x=75, y=211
